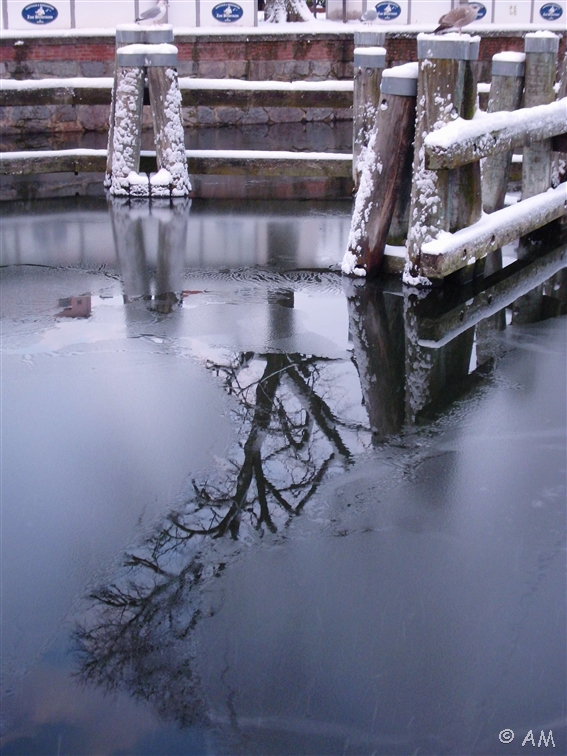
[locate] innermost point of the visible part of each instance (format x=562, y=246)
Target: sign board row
x=86, y=14
x=542, y=12
x=97, y=14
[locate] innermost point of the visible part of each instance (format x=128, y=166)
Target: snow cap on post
x=370, y=57
x=400, y=80
x=448, y=47
x=509, y=64
x=369, y=39
x=541, y=42
x=140, y=56
x=131, y=34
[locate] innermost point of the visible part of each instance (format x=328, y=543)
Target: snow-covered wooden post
x=369, y=62
x=506, y=91
x=382, y=168
x=165, y=99
x=541, y=67
x=442, y=200
x=160, y=62
x=130, y=34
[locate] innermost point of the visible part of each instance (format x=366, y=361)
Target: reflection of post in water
x=433, y=376
x=548, y=300
x=282, y=242
x=172, y=239
x=128, y=218
x=129, y=244
x=376, y=324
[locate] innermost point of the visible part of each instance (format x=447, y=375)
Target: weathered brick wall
x=287, y=57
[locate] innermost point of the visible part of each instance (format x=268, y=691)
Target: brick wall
x=258, y=57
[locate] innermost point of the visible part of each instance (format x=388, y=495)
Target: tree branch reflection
x=136, y=632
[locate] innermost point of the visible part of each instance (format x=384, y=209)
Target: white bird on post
x=154, y=14
x=465, y=13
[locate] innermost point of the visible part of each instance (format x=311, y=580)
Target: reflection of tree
x=136, y=634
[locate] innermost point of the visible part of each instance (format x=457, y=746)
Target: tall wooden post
x=129, y=34
x=165, y=99
x=541, y=67
x=127, y=127
x=444, y=200
x=382, y=170
x=369, y=62
x=506, y=91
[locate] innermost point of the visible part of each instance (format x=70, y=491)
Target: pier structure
x=448, y=232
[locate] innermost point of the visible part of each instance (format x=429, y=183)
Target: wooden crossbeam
x=460, y=142
x=450, y=252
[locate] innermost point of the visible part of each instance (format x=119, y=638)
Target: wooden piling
x=128, y=34
x=443, y=200
x=369, y=62
x=160, y=62
x=541, y=64
x=165, y=99
x=506, y=91
x=382, y=171
x=127, y=128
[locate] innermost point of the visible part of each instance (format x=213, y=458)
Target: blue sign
x=551, y=11
x=40, y=13
x=481, y=12
x=228, y=13
x=388, y=11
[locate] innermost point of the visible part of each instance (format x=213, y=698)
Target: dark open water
x=249, y=507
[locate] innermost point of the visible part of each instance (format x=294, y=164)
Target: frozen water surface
x=249, y=507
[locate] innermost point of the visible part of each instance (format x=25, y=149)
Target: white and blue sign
x=228, y=13
x=551, y=11
x=481, y=12
x=40, y=13
x=388, y=11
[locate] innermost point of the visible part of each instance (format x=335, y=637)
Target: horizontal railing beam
x=462, y=142
x=200, y=162
x=451, y=252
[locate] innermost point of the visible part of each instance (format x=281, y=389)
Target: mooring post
x=124, y=155
x=443, y=200
x=382, y=170
x=506, y=91
x=165, y=99
x=159, y=58
x=369, y=62
x=130, y=34
x=541, y=66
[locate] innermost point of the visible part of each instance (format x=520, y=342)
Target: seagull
x=154, y=14
x=464, y=13
x=369, y=16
